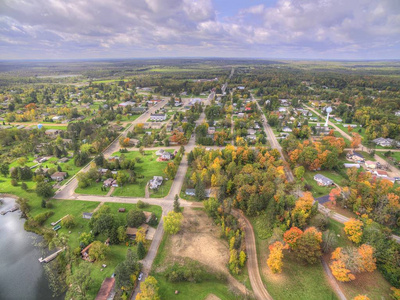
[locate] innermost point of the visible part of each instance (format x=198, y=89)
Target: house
x=169, y=128
x=282, y=109
x=386, y=142
x=138, y=110
x=178, y=103
x=158, y=117
x=248, y=108
x=102, y=171
x=57, y=118
x=52, y=132
x=240, y=115
x=322, y=180
x=132, y=231
x=251, y=137
x=351, y=125
x=241, y=88
x=147, y=214
x=87, y=215
x=59, y=176
x=286, y=129
x=381, y=173
x=160, y=152
x=85, y=252
x=354, y=156
x=211, y=130
x=124, y=104
x=107, y=289
x=42, y=171
x=370, y=164
x=352, y=166
x=63, y=160
x=314, y=119
x=338, y=120
x=166, y=156
x=156, y=182
x=110, y=182
x=251, y=131
x=190, y=192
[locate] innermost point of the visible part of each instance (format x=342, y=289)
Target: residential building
x=286, y=129
x=57, y=118
x=352, y=166
x=158, y=117
x=354, y=156
x=123, y=104
x=87, y=215
x=381, y=173
x=110, y=182
x=107, y=289
x=370, y=164
x=156, y=182
x=322, y=180
x=190, y=192
x=211, y=130
x=166, y=156
x=59, y=176
x=338, y=120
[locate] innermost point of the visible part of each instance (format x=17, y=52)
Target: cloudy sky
x=311, y=29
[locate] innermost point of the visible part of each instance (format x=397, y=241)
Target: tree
x=4, y=169
x=98, y=251
x=126, y=271
x=68, y=221
x=299, y=172
x=177, y=207
x=170, y=170
x=135, y=218
x=141, y=251
x=275, y=257
x=200, y=191
x=353, y=229
x=148, y=290
x=173, y=222
x=121, y=233
x=309, y=245
x=44, y=189
x=141, y=236
x=24, y=186
x=79, y=283
x=22, y=161
x=122, y=178
x=141, y=151
x=242, y=258
x=302, y=210
x=102, y=220
x=355, y=140
x=86, y=238
x=291, y=236
x=361, y=297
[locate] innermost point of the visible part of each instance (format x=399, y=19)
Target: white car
x=140, y=276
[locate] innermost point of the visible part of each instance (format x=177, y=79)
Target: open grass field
x=359, y=130
x=93, y=189
x=147, y=167
x=297, y=280
x=61, y=127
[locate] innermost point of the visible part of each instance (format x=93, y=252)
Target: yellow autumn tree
x=361, y=297
x=275, y=257
x=148, y=290
x=353, y=229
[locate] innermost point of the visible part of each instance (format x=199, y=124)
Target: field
x=148, y=167
x=198, y=240
x=93, y=189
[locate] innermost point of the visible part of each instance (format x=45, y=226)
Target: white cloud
x=291, y=28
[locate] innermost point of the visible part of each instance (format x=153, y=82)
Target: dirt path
x=98, y=206
x=252, y=261
x=332, y=281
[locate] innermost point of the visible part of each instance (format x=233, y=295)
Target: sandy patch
x=212, y=297
x=199, y=240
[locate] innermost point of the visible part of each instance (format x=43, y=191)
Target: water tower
x=328, y=110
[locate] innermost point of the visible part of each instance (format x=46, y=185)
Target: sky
x=274, y=29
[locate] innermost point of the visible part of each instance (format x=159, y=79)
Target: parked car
x=140, y=276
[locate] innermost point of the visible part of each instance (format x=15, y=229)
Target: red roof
x=106, y=288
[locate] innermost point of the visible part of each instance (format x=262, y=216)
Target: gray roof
x=323, y=179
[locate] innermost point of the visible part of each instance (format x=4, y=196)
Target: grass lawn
x=61, y=127
x=297, y=281
x=148, y=167
x=93, y=189
x=356, y=130
x=28, y=163
x=395, y=155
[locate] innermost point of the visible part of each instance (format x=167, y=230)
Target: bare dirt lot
x=199, y=240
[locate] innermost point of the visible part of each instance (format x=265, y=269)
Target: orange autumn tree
x=355, y=140
x=353, y=229
x=333, y=195
x=302, y=210
x=291, y=236
x=275, y=257
x=366, y=258
x=361, y=297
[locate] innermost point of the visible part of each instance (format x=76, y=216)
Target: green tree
x=79, y=283
x=121, y=232
x=141, y=251
x=4, y=169
x=98, y=251
x=135, y=218
x=86, y=238
x=299, y=172
x=309, y=245
x=24, y=186
x=68, y=221
x=125, y=271
x=173, y=222
x=200, y=191
x=177, y=207
x=148, y=290
x=44, y=189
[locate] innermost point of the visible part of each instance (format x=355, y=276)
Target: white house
x=57, y=118
x=158, y=117
x=286, y=129
x=322, y=180
x=156, y=182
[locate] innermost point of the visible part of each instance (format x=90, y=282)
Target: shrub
x=41, y=218
x=141, y=204
x=14, y=182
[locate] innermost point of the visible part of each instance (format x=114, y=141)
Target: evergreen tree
x=141, y=251
x=200, y=191
x=177, y=207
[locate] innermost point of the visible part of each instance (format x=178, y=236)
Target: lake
x=21, y=274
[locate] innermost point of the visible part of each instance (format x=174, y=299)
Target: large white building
x=158, y=117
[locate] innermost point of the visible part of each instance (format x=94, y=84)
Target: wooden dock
x=16, y=207
x=51, y=256
x=55, y=223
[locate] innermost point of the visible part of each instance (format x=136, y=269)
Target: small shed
x=87, y=215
